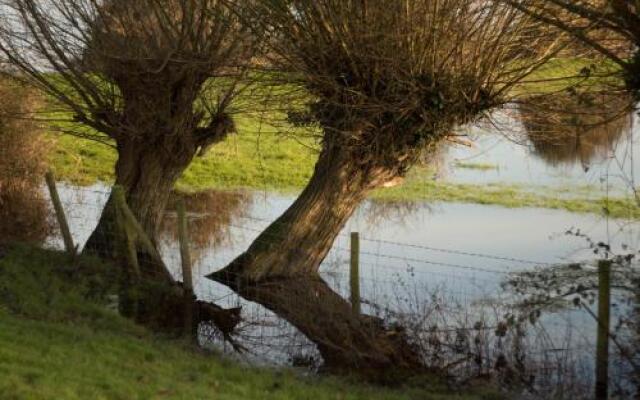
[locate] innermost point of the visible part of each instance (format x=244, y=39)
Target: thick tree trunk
x=280, y=268
x=147, y=173
x=347, y=341
x=280, y=271
x=299, y=240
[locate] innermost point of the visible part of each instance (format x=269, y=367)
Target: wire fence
x=464, y=311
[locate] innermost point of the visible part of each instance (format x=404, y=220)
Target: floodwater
x=607, y=160
x=413, y=256
x=445, y=264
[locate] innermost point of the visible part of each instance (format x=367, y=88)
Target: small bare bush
x=23, y=158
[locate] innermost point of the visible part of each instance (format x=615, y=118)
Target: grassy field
x=60, y=340
x=267, y=160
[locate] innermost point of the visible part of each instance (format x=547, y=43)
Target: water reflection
x=607, y=151
x=346, y=340
x=575, y=128
x=210, y=214
x=379, y=212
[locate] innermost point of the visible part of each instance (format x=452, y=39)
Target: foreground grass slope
x=60, y=340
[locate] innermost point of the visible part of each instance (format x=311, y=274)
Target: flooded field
x=602, y=159
x=472, y=285
x=421, y=265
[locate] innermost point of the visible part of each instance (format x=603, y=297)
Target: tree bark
x=280, y=270
x=347, y=341
x=147, y=172
x=299, y=240
x=159, y=134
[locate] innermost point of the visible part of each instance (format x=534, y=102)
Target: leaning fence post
x=128, y=240
x=602, y=346
x=187, y=275
x=62, y=219
x=142, y=238
x=354, y=276
x=127, y=252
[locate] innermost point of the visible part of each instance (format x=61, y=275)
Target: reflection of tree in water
x=575, y=286
x=573, y=127
x=379, y=212
x=24, y=210
x=209, y=214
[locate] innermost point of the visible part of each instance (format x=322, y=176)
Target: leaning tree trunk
x=147, y=172
x=280, y=268
x=347, y=341
x=299, y=240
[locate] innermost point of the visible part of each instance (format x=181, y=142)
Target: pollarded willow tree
x=388, y=81
x=153, y=78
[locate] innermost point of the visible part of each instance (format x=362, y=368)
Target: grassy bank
x=60, y=340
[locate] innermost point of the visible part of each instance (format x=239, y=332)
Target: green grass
x=60, y=340
x=560, y=73
x=260, y=157
x=511, y=196
x=273, y=162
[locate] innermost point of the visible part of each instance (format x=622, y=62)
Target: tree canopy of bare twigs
x=389, y=78
x=154, y=77
x=101, y=58
x=607, y=26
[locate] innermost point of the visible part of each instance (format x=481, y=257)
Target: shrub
x=23, y=160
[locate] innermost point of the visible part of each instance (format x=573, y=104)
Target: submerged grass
x=59, y=340
x=511, y=196
x=269, y=161
x=475, y=166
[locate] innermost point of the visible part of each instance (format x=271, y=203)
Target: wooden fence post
x=126, y=252
x=127, y=241
x=137, y=231
x=602, y=346
x=62, y=219
x=354, y=276
x=187, y=274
